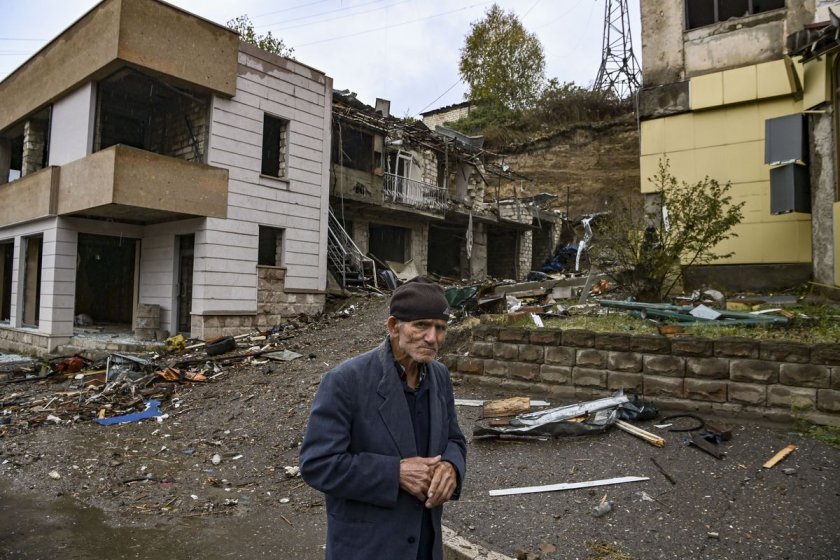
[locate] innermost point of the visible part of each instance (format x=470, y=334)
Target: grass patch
x=829, y=435
x=811, y=325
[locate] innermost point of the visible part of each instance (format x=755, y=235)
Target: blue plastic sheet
x=152, y=410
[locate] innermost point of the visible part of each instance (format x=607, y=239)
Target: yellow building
x=718, y=75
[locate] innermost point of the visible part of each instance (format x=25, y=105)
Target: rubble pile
x=123, y=387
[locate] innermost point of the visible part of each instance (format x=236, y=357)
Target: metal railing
x=401, y=190
x=344, y=257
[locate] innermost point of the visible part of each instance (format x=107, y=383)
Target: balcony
x=29, y=197
x=155, y=37
x=401, y=190
x=121, y=184
x=135, y=186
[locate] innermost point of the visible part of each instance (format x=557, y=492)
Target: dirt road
x=78, y=490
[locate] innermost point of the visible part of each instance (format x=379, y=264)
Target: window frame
x=276, y=142
x=278, y=235
x=751, y=11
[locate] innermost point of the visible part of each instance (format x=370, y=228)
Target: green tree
x=646, y=249
x=267, y=42
x=502, y=63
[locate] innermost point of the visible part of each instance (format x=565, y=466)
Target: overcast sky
x=403, y=50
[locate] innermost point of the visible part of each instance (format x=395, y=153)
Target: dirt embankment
x=588, y=166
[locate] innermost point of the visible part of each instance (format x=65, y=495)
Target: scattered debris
x=152, y=410
x=706, y=442
x=283, y=356
x=667, y=476
x=575, y=419
x=479, y=402
x=602, y=509
x=691, y=428
x=567, y=486
x=507, y=407
x=779, y=456
x=118, y=385
x=683, y=314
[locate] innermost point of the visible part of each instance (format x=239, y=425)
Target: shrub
x=645, y=249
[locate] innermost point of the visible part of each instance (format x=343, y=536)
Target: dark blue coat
x=358, y=431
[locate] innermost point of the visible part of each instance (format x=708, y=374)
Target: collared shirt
x=421, y=373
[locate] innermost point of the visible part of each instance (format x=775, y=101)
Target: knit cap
x=417, y=299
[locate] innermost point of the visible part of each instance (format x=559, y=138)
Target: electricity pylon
x=619, y=71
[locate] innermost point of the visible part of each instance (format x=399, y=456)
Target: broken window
x=706, y=12
x=270, y=252
x=16, y=163
x=6, y=256
x=27, y=146
x=274, y=146
x=143, y=112
x=353, y=148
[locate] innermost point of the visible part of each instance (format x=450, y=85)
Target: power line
x=330, y=12
x=439, y=96
x=391, y=26
x=290, y=8
x=534, y=5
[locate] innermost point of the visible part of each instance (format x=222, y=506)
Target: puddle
x=35, y=528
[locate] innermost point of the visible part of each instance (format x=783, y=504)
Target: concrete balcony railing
x=29, y=198
x=121, y=184
x=401, y=190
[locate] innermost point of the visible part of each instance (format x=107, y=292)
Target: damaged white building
x=151, y=160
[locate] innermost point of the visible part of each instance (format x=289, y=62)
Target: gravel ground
x=152, y=490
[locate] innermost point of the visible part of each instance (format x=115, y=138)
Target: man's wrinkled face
x=420, y=340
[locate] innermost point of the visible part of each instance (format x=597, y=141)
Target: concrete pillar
x=5, y=160
x=822, y=197
x=526, y=245
x=478, y=262
x=34, y=142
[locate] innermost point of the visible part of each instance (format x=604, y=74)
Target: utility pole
x=619, y=71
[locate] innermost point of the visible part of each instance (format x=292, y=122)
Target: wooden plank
x=779, y=456
x=507, y=407
x=567, y=486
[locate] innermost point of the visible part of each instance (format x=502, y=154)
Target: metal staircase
x=345, y=260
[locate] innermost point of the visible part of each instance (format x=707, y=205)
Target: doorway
x=186, y=253
x=389, y=243
x=105, y=278
x=446, y=251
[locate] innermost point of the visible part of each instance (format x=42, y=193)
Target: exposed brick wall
x=181, y=132
x=757, y=379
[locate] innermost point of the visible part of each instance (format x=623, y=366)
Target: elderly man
x=383, y=441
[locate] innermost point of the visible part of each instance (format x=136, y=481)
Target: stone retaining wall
x=771, y=380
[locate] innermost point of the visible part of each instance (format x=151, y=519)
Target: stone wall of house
x=760, y=380
x=273, y=305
